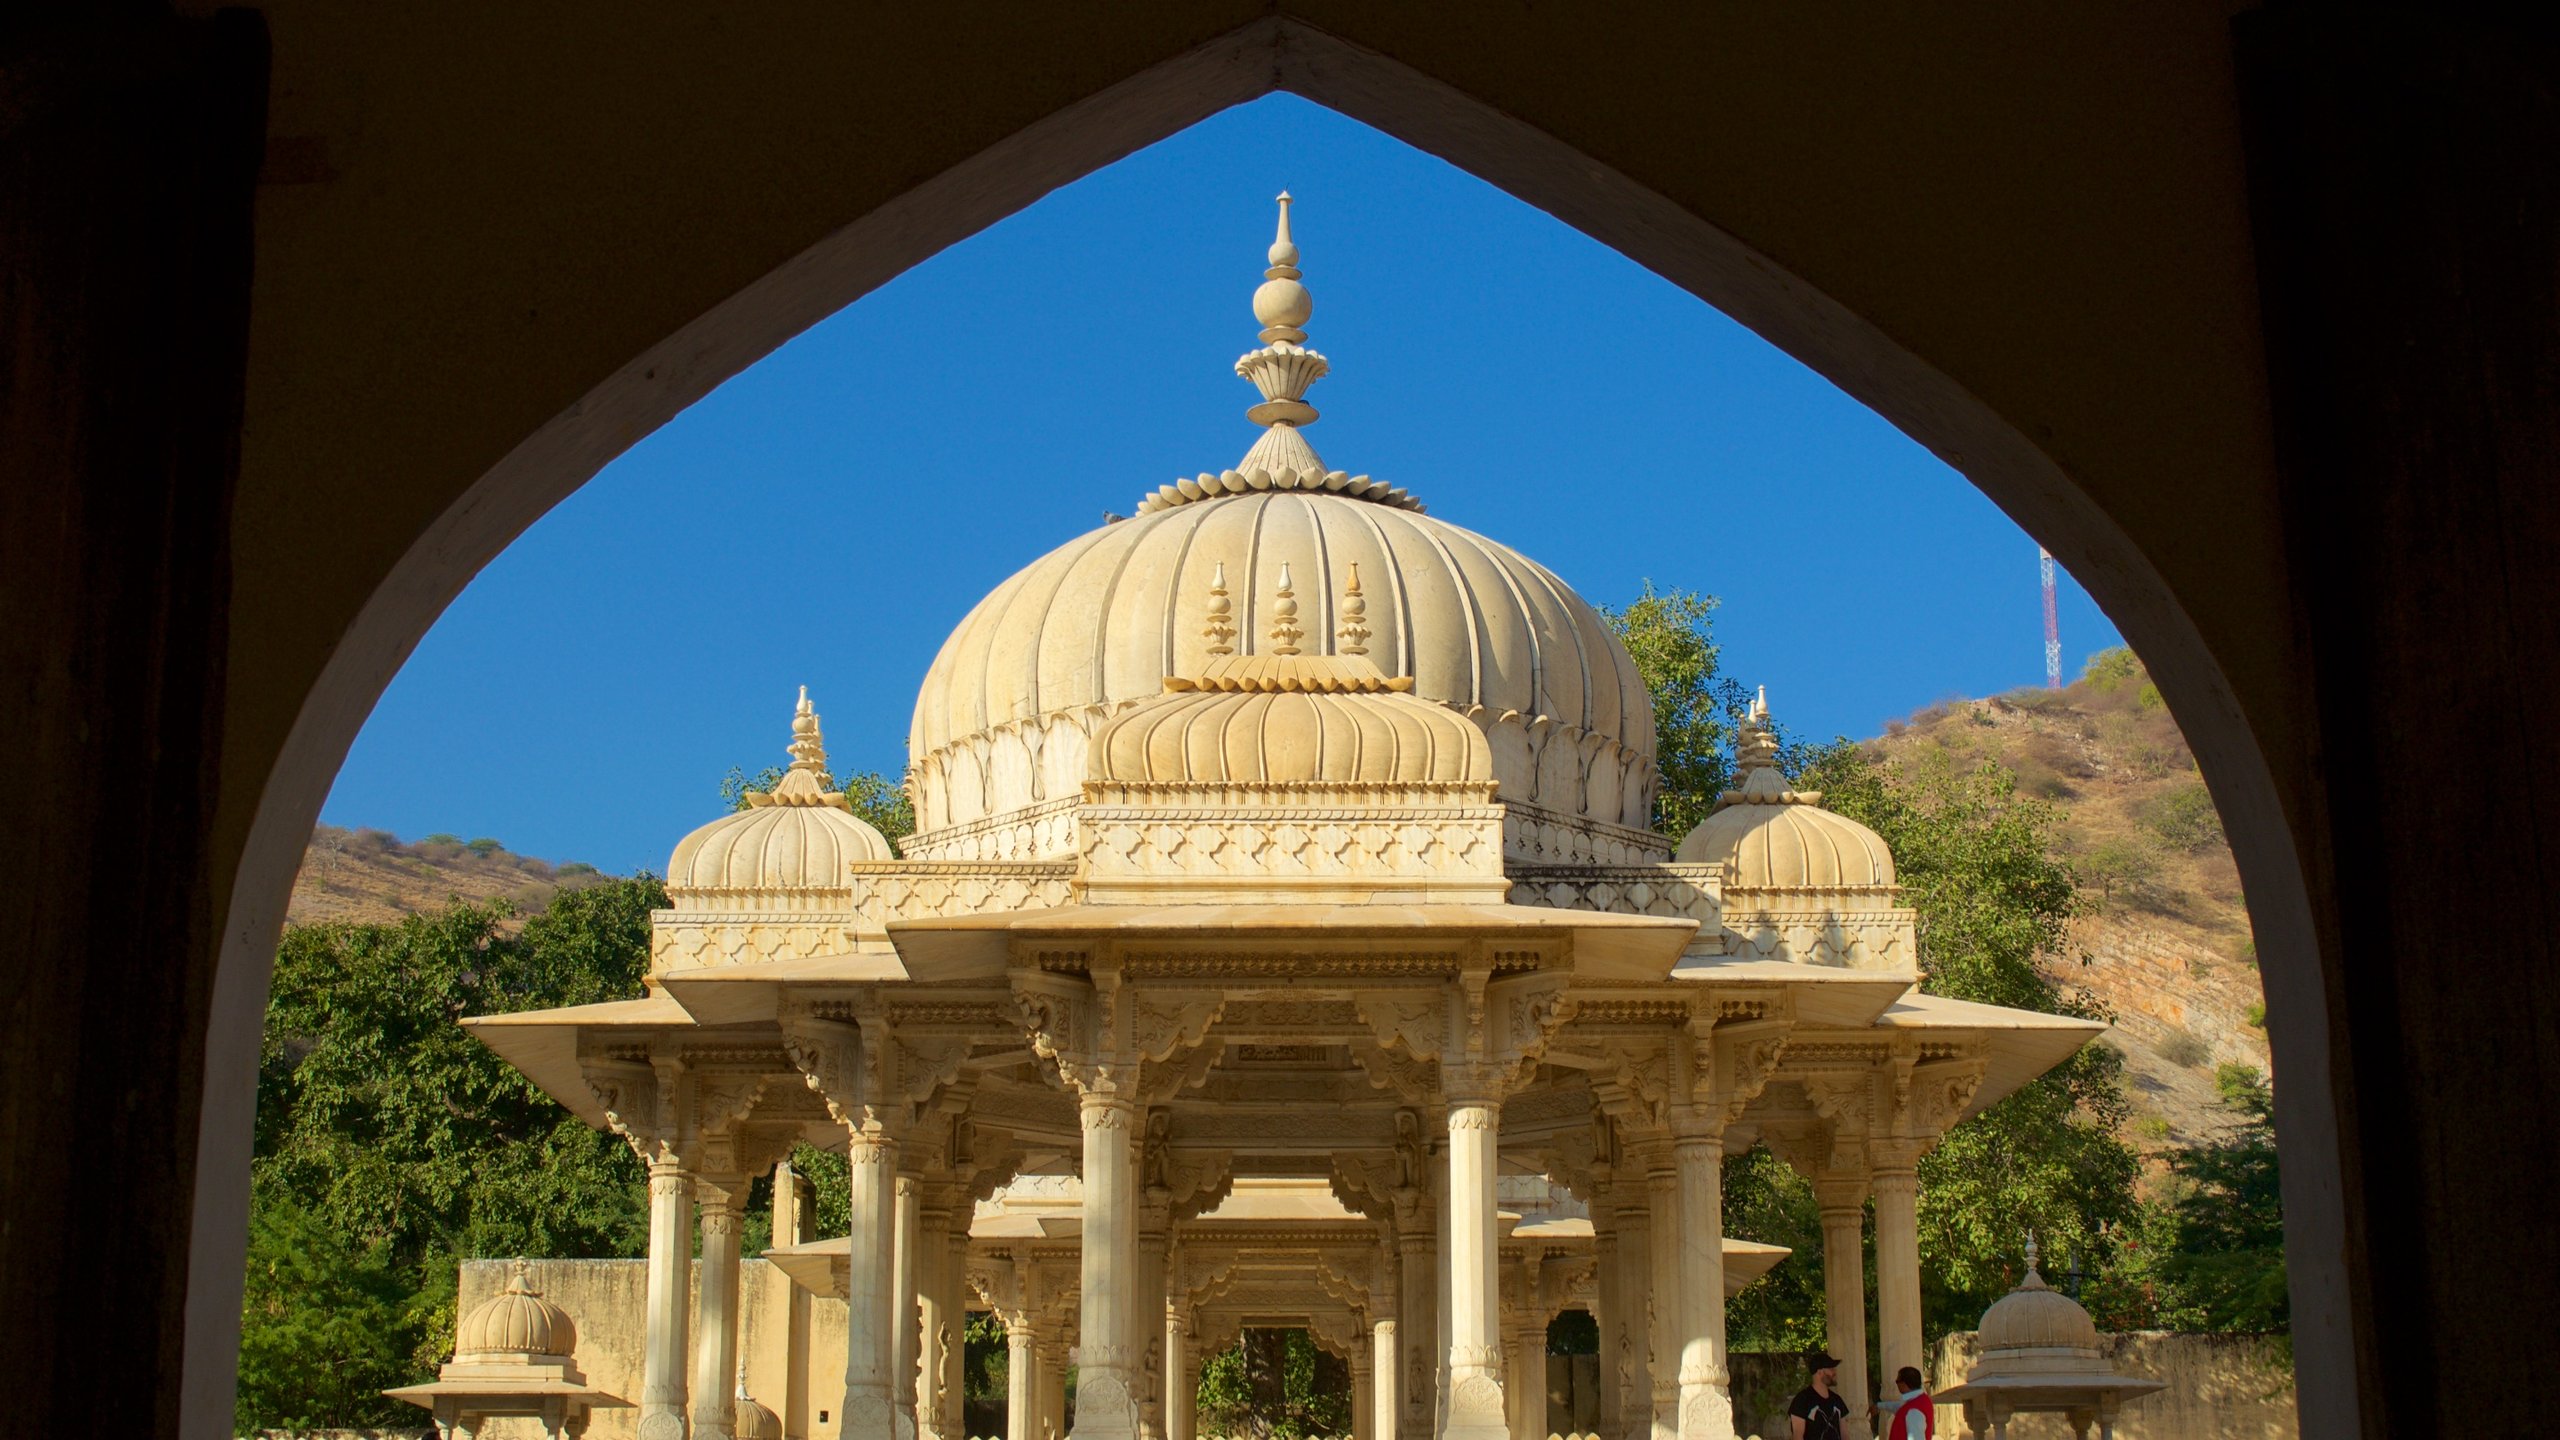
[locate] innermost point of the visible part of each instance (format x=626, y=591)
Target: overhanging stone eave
x=543, y=1044
x=1600, y=946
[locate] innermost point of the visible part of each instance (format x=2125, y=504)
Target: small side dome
x=799, y=836
x=755, y=1420
x=2036, y=1327
x=1768, y=837
x=1283, y=718
x=516, y=1324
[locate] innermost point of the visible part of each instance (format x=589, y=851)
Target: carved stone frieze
x=1681, y=891
x=1853, y=939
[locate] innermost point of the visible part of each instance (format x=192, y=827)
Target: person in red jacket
x=1912, y=1415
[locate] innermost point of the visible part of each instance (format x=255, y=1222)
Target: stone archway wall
x=497, y=244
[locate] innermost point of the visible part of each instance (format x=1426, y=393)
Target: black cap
x=1820, y=1360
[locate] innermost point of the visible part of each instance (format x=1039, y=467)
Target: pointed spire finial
x=520, y=1277
x=2032, y=1278
x=1283, y=368
x=1353, y=637
x=1285, y=633
x=1221, y=628
x=808, y=748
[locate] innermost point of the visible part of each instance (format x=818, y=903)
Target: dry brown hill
x=372, y=876
x=2166, y=941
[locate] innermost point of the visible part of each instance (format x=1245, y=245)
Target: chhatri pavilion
x=1282, y=942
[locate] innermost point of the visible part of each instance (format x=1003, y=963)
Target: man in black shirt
x=1818, y=1410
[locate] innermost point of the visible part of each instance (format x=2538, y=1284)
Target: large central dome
x=1005, y=714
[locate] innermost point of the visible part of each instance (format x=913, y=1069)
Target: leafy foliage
x=874, y=797
x=390, y=1143
x=1974, y=859
x=2220, y=1260
x=1696, y=710
x=1274, y=1385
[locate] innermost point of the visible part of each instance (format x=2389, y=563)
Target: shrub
x=2185, y=1049
x=2108, y=670
x=2183, y=817
x=2257, y=1014
x=484, y=847
x=2153, y=1128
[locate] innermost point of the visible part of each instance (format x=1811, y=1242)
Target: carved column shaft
x=1897, y=1266
x=937, y=1328
x=1181, y=1401
x=1386, y=1360
x=1363, y=1395
x=715, y=1341
x=1609, y=1306
x=906, y=1337
x=1053, y=1390
x=1021, y=1380
x=951, y=1341
x=1706, y=1404
x=1475, y=1406
x=1844, y=1292
x=871, y=1222
x=1106, y=1383
x=1662, y=1329
x=1629, y=1371
x=662, y=1378
x=1529, y=1378
x=1418, y=1299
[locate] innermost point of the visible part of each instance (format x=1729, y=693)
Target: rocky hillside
x=372, y=876
x=2166, y=941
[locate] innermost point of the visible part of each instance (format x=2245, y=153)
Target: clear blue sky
x=827, y=517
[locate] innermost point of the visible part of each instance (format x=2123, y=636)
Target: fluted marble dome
x=1768, y=837
x=799, y=836
x=1009, y=706
x=516, y=1324
x=1292, y=720
x=2036, y=1327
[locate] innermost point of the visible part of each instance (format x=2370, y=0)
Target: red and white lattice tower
x=2052, y=624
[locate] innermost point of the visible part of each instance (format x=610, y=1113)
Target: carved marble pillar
x=1609, y=1305
x=955, y=1288
x=1662, y=1184
x=1706, y=1399
x=1417, y=1295
x=937, y=1324
x=1106, y=1381
x=1053, y=1390
x=1021, y=1379
x=1386, y=1359
x=906, y=1340
x=1442, y=1310
x=1529, y=1376
x=1844, y=1292
x=715, y=1341
x=1475, y=1408
x=870, y=1346
x=1147, y=1313
x=1897, y=1188
x=1182, y=1376
x=1364, y=1398
x=662, y=1378
x=1629, y=1369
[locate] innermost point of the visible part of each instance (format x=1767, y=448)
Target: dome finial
x=2033, y=1281
x=1285, y=633
x=1353, y=636
x=808, y=748
x=1221, y=628
x=1283, y=368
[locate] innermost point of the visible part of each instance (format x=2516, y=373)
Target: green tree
x=1274, y=1385
x=1696, y=710
x=1975, y=859
x=2222, y=1263
x=390, y=1143
x=1976, y=862
x=875, y=797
